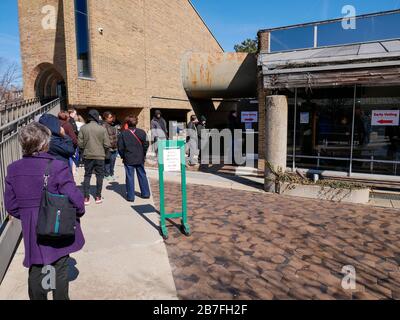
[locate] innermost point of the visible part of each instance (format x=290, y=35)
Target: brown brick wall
x=137, y=57
x=263, y=39
x=40, y=47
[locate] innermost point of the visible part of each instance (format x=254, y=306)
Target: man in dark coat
x=133, y=146
x=159, y=128
x=61, y=146
x=112, y=131
x=233, y=125
x=201, y=127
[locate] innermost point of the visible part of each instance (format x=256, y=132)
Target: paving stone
x=248, y=245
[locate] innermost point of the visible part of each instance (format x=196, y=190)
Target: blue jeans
x=76, y=157
x=110, y=164
x=130, y=182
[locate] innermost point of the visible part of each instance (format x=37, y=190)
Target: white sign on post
x=385, y=117
x=250, y=117
x=172, y=160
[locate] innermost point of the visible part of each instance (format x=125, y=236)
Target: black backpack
x=57, y=216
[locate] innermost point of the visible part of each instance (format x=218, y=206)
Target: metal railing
x=10, y=149
x=371, y=161
x=13, y=111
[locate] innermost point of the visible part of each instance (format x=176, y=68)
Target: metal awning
x=375, y=61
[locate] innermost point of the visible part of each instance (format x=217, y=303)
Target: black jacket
x=62, y=148
x=132, y=151
x=233, y=123
x=74, y=126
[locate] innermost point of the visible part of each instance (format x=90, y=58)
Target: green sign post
x=171, y=158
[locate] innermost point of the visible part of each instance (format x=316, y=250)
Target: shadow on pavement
x=120, y=189
x=144, y=210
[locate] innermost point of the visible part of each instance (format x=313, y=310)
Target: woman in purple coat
x=24, y=185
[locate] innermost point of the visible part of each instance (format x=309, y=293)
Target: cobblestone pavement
x=249, y=245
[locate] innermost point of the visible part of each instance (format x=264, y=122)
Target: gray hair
x=34, y=138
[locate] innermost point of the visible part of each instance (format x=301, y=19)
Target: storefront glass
x=323, y=124
x=377, y=135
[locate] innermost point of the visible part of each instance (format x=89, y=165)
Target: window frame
x=89, y=75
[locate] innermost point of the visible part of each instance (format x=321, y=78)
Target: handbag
x=57, y=216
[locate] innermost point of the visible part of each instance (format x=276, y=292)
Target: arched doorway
x=50, y=84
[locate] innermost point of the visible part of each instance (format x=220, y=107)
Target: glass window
x=370, y=28
x=294, y=38
x=324, y=120
x=81, y=6
x=82, y=38
x=377, y=131
x=291, y=114
x=367, y=29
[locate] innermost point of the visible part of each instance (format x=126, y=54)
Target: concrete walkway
x=124, y=256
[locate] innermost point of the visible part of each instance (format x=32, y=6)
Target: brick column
x=263, y=40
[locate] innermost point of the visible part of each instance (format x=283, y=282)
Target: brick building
x=123, y=55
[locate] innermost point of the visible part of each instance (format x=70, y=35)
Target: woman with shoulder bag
x=41, y=192
x=133, y=146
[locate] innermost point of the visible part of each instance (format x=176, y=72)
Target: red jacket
x=69, y=131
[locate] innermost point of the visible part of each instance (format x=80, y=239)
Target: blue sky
x=230, y=20
x=9, y=34
x=235, y=20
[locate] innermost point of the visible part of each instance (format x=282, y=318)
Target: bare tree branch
x=10, y=74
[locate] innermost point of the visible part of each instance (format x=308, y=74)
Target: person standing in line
x=200, y=132
x=73, y=119
x=113, y=151
x=68, y=128
x=233, y=125
x=73, y=115
x=61, y=146
x=159, y=128
x=22, y=198
x=80, y=122
x=93, y=139
x=116, y=123
x=192, y=147
x=70, y=132
x=133, y=146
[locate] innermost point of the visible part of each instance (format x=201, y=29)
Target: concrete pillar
x=276, y=126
